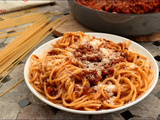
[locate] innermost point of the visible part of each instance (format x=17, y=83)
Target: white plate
x=134, y=46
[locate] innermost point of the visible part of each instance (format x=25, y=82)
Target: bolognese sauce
x=99, y=57
x=123, y=6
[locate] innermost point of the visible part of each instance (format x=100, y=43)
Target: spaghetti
x=86, y=73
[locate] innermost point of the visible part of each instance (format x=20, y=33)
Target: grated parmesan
x=69, y=53
x=95, y=43
x=111, y=100
x=85, y=39
x=105, y=60
x=91, y=66
x=132, y=66
x=110, y=87
x=105, y=51
x=49, y=64
x=97, y=86
x=112, y=56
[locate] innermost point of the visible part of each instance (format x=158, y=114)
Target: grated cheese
x=99, y=71
x=105, y=60
x=91, y=66
x=85, y=39
x=112, y=56
x=69, y=53
x=110, y=94
x=132, y=66
x=111, y=100
x=110, y=88
x=49, y=64
x=97, y=86
x=105, y=51
x=95, y=43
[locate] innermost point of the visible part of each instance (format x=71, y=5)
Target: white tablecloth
x=12, y=5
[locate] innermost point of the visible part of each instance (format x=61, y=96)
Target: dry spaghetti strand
x=12, y=87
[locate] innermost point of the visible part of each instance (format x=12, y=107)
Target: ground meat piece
x=92, y=76
x=123, y=54
x=78, y=54
x=53, y=52
x=104, y=73
x=52, y=91
x=95, y=58
x=87, y=90
x=118, y=60
x=84, y=48
x=87, y=52
x=107, y=72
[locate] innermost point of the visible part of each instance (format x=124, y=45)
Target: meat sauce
x=123, y=6
x=98, y=66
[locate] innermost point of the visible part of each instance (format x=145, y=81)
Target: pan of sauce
x=125, y=18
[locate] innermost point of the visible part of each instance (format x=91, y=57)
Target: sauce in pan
x=123, y=6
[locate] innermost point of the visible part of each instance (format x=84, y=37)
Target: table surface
x=148, y=109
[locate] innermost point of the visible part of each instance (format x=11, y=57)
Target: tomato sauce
x=123, y=6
